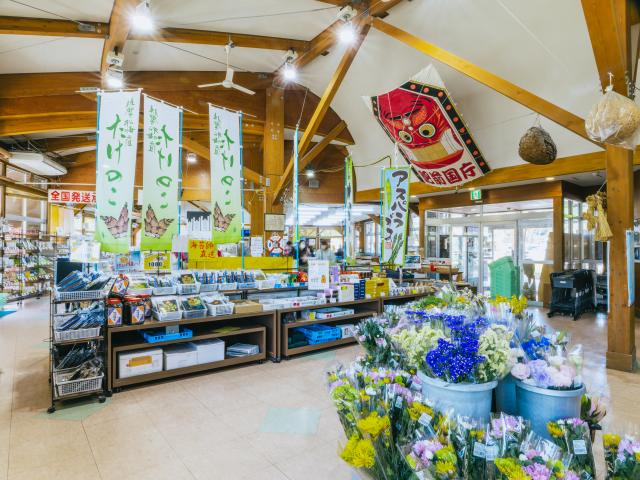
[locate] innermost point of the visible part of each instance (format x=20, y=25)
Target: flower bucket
x=506, y=396
x=468, y=399
x=542, y=405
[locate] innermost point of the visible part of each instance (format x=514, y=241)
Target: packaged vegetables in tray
x=187, y=283
x=166, y=309
x=218, y=304
x=193, y=307
x=162, y=285
x=139, y=286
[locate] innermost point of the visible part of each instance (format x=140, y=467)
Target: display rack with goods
x=26, y=268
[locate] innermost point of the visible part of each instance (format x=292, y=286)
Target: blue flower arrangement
x=455, y=359
x=536, y=349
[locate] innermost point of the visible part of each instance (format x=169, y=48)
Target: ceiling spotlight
x=192, y=157
x=141, y=20
x=289, y=72
x=347, y=33
x=310, y=173
x=550, y=179
x=114, y=77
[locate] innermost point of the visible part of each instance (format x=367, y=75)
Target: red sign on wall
x=71, y=196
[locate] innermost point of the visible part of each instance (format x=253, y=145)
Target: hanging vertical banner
x=394, y=218
x=226, y=175
x=296, y=227
x=117, y=144
x=349, y=254
x=161, y=179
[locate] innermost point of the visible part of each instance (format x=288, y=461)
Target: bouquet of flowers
x=573, y=438
x=434, y=456
x=372, y=334
x=470, y=351
x=414, y=342
x=537, y=459
x=622, y=457
x=508, y=433
x=468, y=439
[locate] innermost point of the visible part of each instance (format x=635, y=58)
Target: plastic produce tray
x=220, y=309
x=208, y=287
x=156, y=336
x=167, y=317
x=316, y=334
x=188, y=289
x=194, y=313
x=79, y=334
x=164, y=290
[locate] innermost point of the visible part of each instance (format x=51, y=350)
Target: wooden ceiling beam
x=52, y=27
x=323, y=106
x=319, y=147
x=525, y=98
x=61, y=145
x=119, y=27
x=588, y=162
x=611, y=49
x=82, y=29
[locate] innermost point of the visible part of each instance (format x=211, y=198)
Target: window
x=413, y=241
x=371, y=238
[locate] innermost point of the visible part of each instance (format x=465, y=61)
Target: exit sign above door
x=476, y=195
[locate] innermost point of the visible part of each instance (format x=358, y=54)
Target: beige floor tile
x=316, y=464
x=82, y=468
x=269, y=473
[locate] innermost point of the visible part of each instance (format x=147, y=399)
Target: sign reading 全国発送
x=71, y=196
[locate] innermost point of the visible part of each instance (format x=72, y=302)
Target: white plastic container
x=348, y=330
x=346, y=293
x=210, y=350
x=139, y=362
x=180, y=356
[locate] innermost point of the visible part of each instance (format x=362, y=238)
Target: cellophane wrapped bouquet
x=622, y=456
x=573, y=437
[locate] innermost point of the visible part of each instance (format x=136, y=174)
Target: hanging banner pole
x=349, y=254
x=226, y=175
x=241, y=182
x=116, y=148
x=296, y=229
x=162, y=159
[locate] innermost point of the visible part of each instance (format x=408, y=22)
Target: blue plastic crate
x=156, y=336
x=320, y=333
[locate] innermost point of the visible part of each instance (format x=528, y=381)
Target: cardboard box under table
x=180, y=356
x=210, y=350
x=139, y=362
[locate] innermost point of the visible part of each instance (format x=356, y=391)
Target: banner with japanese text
x=394, y=215
x=226, y=175
x=349, y=254
x=117, y=144
x=162, y=158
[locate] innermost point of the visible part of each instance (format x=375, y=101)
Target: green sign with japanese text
x=161, y=179
x=117, y=144
x=225, y=139
x=394, y=214
x=349, y=239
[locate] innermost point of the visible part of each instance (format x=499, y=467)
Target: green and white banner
x=161, y=181
x=117, y=144
x=394, y=215
x=349, y=254
x=226, y=175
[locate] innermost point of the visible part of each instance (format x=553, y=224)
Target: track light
x=114, y=78
x=191, y=157
x=141, y=19
x=347, y=34
x=289, y=72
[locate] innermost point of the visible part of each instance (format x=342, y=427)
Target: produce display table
x=362, y=309
x=257, y=328
x=401, y=299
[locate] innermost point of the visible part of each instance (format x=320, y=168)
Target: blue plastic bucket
x=467, y=399
x=543, y=405
x=506, y=396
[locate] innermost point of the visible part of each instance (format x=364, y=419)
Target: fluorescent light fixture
x=347, y=34
x=192, y=157
x=141, y=19
x=37, y=163
x=289, y=72
x=114, y=82
x=310, y=173
x=550, y=179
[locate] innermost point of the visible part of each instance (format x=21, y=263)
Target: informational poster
x=394, y=215
x=318, y=274
x=257, y=246
x=157, y=261
x=422, y=119
x=71, y=196
x=349, y=253
x=202, y=250
x=83, y=250
x=161, y=179
x=117, y=144
x=274, y=222
x=226, y=175
x=125, y=262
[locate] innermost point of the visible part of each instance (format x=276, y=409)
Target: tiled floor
x=264, y=422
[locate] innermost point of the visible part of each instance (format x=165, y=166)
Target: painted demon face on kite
x=418, y=123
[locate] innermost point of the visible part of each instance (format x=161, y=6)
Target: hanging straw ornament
x=536, y=145
x=596, y=217
x=615, y=119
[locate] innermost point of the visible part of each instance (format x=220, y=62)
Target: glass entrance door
x=465, y=251
x=536, y=256
x=498, y=240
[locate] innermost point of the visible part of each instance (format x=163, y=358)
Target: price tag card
x=579, y=447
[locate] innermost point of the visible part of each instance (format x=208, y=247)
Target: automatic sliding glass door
x=498, y=240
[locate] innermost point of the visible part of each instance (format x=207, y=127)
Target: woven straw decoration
x=596, y=217
x=537, y=147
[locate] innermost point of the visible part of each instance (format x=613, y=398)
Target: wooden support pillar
x=621, y=350
x=558, y=234
x=273, y=151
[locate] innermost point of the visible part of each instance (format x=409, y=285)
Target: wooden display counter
x=257, y=328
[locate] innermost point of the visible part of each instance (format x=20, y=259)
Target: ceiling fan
x=228, y=79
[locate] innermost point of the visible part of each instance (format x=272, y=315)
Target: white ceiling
x=542, y=46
